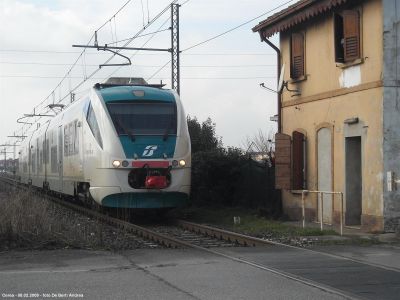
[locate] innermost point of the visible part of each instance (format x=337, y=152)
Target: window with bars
x=347, y=36
x=297, y=55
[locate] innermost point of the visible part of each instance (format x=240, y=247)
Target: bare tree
x=260, y=142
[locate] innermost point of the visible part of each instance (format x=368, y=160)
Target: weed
x=32, y=222
x=251, y=222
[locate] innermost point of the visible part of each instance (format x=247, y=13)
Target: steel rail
x=204, y=229
x=222, y=234
x=142, y=232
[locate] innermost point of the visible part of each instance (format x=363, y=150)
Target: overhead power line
x=139, y=36
x=82, y=55
x=128, y=41
x=151, y=77
x=101, y=53
x=238, y=26
x=230, y=30
x=113, y=16
x=143, y=66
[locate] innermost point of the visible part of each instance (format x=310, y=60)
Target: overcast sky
x=219, y=79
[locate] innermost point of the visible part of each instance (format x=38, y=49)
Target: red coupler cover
x=156, y=182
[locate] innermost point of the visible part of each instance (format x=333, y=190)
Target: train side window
x=94, y=126
x=33, y=162
x=86, y=106
x=47, y=151
x=53, y=158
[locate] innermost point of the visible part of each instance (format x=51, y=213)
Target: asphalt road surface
x=239, y=273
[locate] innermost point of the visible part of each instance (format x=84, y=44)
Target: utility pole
x=14, y=151
x=5, y=155
x=175, y=52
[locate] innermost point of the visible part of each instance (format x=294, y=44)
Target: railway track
x=181, y=234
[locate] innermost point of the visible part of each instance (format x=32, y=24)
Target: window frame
x=344, y=40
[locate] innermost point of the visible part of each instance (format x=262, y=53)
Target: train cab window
x=94, y=126
x=144, y=118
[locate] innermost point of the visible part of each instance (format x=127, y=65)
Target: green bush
x=226, y=176
x=215, y=174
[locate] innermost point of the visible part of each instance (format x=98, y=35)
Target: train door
x=60, y=158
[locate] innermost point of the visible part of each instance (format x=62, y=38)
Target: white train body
x=122, y=146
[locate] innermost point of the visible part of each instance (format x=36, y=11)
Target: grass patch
x=251, y=222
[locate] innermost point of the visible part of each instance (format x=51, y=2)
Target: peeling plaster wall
x=324, y=77
x=350, y=77
x=391, y=110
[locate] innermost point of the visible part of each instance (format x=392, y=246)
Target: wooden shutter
x=298, y=160
x=351, y=35
x=282, y=161
x=297, y=56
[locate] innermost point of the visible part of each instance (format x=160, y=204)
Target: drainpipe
x=278, y=58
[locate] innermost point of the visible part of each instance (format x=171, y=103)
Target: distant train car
x=124, y=145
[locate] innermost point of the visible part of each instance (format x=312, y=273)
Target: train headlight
x=125, y=163
x=175, y=163
x=116, y=163
x=182, y=163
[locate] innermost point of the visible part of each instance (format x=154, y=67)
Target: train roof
x=132, y=89
x=116, y=93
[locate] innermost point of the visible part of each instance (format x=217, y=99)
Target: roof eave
x=295, y=14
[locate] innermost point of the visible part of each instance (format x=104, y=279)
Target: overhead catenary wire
x=148, y=78
x=83, y=52
x=229, y=30
x=127, y=43
x=73, y=65
x=144, y=66
x=113, y=16
x=238, y=26
x=88, y=77
x=144, y=44
x=141, y=1
x=100, y=53
x=142, y=35
x=81, y=55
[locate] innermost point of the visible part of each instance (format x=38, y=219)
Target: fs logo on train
x=149, y=150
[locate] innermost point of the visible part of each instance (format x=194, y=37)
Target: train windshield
x=153, y=118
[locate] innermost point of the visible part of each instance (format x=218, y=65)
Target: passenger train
x=125, y=145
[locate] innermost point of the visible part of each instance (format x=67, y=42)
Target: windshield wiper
x=166, y=134
x=125, y=130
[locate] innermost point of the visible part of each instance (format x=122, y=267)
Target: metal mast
x=175, y=68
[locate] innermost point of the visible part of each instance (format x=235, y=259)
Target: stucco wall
x=309, y=117
x=329, y=95
x=391, y=109
x=322, y=72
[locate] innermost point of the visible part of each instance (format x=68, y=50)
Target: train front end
x=148, y=149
